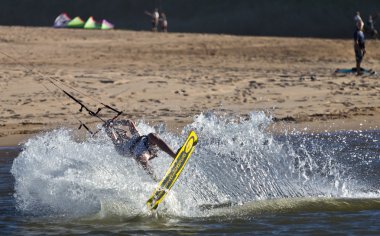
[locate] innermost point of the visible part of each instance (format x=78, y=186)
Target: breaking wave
x=236, y=163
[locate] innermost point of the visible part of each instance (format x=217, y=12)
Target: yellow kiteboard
x=173, y=172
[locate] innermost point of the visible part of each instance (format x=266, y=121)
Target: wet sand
x=172, y=77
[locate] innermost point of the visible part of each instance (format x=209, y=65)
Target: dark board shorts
x=359, y=55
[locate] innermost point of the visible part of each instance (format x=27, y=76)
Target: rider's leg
x=153, y=139
x=143, y=161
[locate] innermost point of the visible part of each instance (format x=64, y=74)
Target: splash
x=237, y=161
x=57, y=175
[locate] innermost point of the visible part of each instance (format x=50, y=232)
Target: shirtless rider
x=128, y=141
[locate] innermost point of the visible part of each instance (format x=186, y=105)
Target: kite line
x=55, y=82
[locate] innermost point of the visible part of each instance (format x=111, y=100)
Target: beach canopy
x=77, y=22
x=62, y=20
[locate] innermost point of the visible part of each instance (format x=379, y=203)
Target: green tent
x=91, y=24
x=77, y=22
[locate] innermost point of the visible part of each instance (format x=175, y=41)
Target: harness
x=133, y=145
x=133, y=142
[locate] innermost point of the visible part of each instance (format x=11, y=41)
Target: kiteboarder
x=359, y=45
x=128, y=141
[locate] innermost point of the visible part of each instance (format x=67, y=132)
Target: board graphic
x=174, y=171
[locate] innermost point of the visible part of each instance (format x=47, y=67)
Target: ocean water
x=241, y=179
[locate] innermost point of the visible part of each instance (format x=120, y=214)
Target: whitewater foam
x=236, y=161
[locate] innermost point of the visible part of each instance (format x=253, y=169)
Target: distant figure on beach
x=357, y=17
x=359, y=45
x=155, y=19
x=128, y=141
x=370, y=27
x=163, y=22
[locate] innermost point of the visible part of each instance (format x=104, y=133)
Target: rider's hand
x=108, y=124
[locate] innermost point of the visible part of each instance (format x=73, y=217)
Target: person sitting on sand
x=359, y=45
x=128, y=141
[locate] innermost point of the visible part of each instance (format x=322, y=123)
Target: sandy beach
x=172, y=77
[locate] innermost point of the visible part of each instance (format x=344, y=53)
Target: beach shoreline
x=170, y=78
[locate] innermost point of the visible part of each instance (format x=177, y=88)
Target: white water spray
x=236, y=161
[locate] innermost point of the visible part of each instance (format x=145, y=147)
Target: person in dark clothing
x=359, y=45
x=370, y=27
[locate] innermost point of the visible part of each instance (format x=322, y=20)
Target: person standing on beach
x=359, y=45
x=371, y=27
x=163, y=22
x=155, y=19
x=357, y=17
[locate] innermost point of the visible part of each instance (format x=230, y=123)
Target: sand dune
x=171, y=77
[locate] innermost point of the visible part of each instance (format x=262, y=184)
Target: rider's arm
x=356, y=41
x=132, y=127
x=113, y=135
x=111, y=132
x=130, y=124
